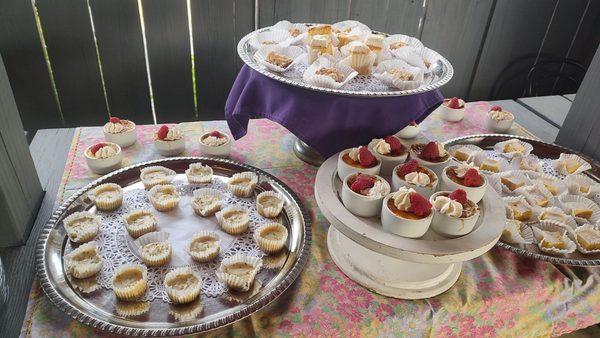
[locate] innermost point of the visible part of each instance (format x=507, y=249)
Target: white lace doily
x=545, y=163
x=115, y=245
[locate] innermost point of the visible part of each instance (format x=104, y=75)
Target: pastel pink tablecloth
x=497, y=294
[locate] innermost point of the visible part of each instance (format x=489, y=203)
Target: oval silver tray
x=441, y=72
x=98, y=308
x=542, y=150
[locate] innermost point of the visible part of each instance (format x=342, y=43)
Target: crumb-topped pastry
x=120, y=131
x=82, y=226
x=183, y=285
x=362, y=194
x=279, y=60
x=568, y=164
x=204, y=246
x=164, y=197
x=406, y=213
x=130, y=281
x=197, y=173
x=331, y=72
x=156, y=253
x=239, y=271
x=207, y=201
x=269, y=204
x=234, y=220
x=413, y=175
x=169, y=141
x=139, y=222
x=85, y=261
x=107, y=196
x=271, y=237
x=242, y=184
x=454, y=214
x=155, y=175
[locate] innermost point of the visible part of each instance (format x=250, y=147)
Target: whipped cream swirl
x=378, y=190
x=417, y=178
x=105, y=152
x=500, y=115
x=173, y=134
x=461, y=170
x=382, y=147
x=448, y=206
x=213, y=141
x=402, y=198
x=353, y=154
x=114, y=128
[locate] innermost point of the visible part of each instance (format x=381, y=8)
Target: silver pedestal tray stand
x=396, y=266
x=440, y=73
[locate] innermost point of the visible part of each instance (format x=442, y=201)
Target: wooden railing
x=76, y=62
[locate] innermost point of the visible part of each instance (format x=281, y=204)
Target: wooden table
x=553, y=109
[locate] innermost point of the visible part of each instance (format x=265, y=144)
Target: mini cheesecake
x=406, y=213
x=466, y=178
x=432, y=155
x=413, y=175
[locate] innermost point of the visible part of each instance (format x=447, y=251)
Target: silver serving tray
x=98, y=308
x=542, y=150
x=441, y=72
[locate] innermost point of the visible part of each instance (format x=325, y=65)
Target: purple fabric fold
x=326, y=122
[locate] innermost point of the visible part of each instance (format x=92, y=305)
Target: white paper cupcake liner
x=568, y=219
x=494, y=182
x=159, y=259
x=109, y=204
x=515, y=163
x=381, y=73
x=150, y=182
x=576, y=181
x=81, y=233
x=210, y=253
x=165, y=204
x=311, y=77
x=243, y=190
x=544, y=179
x=580, y=248
x=413, y=56
x=231, y=227
x=84, y=269
x=194, y=178
x=499, y=147
x=206, y=210
x=136, y=289
x=293, y=52
x=233, y=281
x=568, y=238
x=529, y=194
x=343, y=26
x=288, y=26
x=515, y=174
x=516, y=232
x=481, y=156
x=267, y=245
x=473, y=148
x=187, y=295
x=513, y=199
x=409, y=40
x=568, y=202
x=269, y=212
x=275, y=35
x=559, y=166
x=134, y=230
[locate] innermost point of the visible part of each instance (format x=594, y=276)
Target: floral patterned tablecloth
x=497, y=294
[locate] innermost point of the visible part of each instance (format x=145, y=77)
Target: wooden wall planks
x=243, y=23
x=272, y=11
x=121, y=50
x=169, y=56
x=390, y=16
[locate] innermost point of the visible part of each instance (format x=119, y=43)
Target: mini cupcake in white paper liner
x=269, y=37
x=294, y=53
x=155, y=175
x=512, y=175
x=139, y=222
x=396, y=40
x=242, y=184
x=82, y=226
x=234, y=220
x=587, y=238
x=536, y=194
x=499, y=147
x=297, y=31
x=131, y=309
x=183, y=285
x=197, y=173
x=269, y=204
x=472, y=150
x=325, y=81
x=556, y=214
x=564, y=162
x=580, y=184
x=516, y=232
x=107, y=196
x=384, y=70
x=206, y=201
x=571, y=202
x=154, y=248
x=130, y=281
x=239, y=271
x=411, y=55
x=480, y=157
x=526, y=163
x=544, y=229
x=526, y=210
x=204, y=246
x=85, y=261
x=164, y=197
x=271, y=237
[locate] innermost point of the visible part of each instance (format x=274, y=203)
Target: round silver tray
x=98, y=308
x=441, y=73
x=542, y=150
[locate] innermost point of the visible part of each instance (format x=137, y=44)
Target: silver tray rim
x=516, y=249
x=78, y=314
x=249, y=60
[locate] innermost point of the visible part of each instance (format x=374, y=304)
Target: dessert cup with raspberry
x=406, y=213
x=359, y=160
x=454, y=214
x=466, y=178
x=432, y=155
x=362, y=194
x=413, y=175
x=389, y=151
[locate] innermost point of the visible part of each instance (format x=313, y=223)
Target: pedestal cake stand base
x=307, y=154
x=390, y=276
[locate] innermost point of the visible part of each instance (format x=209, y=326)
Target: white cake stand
x=396, y=266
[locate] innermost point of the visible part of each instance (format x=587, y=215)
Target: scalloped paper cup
x=512, y=173
x=236, y=282
x=137, y=231
x=515, y=233
x=345, y=25
x=264, y=38
x=568, y=202
x=561, y=169
x=135, y=290
x=513, y=199
x=110, y=204
x=79, y=234
x=499, y=147
x=151, y=237
x=211, y=252
x=568, y=219
x=270, y=245
x=577, y=183
x=382, y=74
x=568, y=237
x=166, y=204
x=206, y=210
x=515, y=163
x=580, y=248
x=529, y=195
x=293, y=52
x=245, y=190
x=147, y=173
x=408, y=40
x=288, y=26
x=194, y=178
x=411, y=55
x=233, y=228
x=326, y=81
x=482, y=156
x=269, y=211
x=188, y=294
x=85, y=268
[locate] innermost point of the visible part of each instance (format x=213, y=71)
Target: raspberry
x=115, y=120
x=366, y=158
x=419, y=205
x=97, y=147
x=413, y=123
x=215, y=133
x=472, y=178
x=394, y=143
x=454, y=103
x=496, y=108
x=361, y=183
x=162, y=132
x=430, y=152
x=459, y=195
x=408, y=167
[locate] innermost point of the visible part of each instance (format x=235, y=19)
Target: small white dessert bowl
x=451, y=226
x=408, y=132
x=405, y=227
x=497, y=125
x=474, y=194
x=125, y=138
x=425, y=190
x=221, y=150
x=437, y=167
x=344, y=169
x=364, y=205
x=452, y=114
x=104, y=165
x=388, y=161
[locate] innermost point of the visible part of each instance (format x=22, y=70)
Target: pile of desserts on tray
x=549, y=203
x=331, y=56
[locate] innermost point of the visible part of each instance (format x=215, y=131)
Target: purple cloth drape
x=326, y=122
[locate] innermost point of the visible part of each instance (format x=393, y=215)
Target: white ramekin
x=412, y=228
